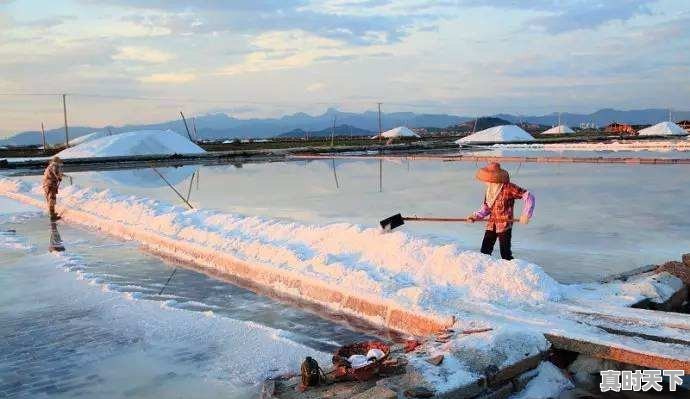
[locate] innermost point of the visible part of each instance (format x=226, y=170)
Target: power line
x=29, y=94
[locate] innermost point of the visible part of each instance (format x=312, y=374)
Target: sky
x=137, y=61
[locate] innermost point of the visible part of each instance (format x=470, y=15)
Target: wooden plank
x=624, y=355
x=514, y=370
x=626, y=315
x=626, y=275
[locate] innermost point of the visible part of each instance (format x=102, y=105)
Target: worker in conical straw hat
x=498, y=207
x=52, y=177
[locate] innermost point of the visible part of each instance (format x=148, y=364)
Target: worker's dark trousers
x=503, y=243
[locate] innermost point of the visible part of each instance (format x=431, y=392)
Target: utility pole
x=380, y=174
x=380, y=131
x=64, y=113
x=333, y=130
x=43, y=134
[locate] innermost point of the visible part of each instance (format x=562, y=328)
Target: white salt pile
x=400, y=131
x=663, y=129
x=87, y=137
x=496, y=134
x=140, y=142
x=560, y=129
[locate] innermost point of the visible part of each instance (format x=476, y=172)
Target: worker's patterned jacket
x=501, y=213
x=52, y=176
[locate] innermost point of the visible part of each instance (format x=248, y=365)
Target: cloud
x=256, y=17
x=317, y=86
x=284, y=50
x=592, y=15
x=142, y=54
x=172, y=78
x=568, y=15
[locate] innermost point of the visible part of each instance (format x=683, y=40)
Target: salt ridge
x=392, y=268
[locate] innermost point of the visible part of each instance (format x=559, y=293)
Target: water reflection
x=591, y=220
x=146, y=178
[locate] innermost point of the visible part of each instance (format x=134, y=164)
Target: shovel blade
x=392, y=222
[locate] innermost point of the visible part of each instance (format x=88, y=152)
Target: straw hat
x=492, y=173
x=56, y=159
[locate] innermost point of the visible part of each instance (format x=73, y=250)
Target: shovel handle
x=430, y=219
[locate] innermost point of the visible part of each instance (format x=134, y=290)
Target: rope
x=166, y=283
x=186, y=202
x=173, y=188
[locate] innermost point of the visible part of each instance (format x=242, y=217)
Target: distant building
x=685, y=124
x=620, y=128
x=588, y=126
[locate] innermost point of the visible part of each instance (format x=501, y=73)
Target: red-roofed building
x=620, y=128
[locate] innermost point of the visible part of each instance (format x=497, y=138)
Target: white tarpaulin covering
x=663, y=129
x=140, y=142
x=400, y=131
x=505, y=133
x=560, y=129
x=87, y=137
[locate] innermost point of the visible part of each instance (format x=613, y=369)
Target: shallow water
x=90, y=322
x=591, y=220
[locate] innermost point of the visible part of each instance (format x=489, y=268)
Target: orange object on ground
x=411, y=345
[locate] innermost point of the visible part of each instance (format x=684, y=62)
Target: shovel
x=398, y=220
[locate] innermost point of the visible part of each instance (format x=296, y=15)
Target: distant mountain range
x=342, y=130
x=221, y=126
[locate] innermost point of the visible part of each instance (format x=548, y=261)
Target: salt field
x=344, y=199
x=590, y=220
x=306, y=215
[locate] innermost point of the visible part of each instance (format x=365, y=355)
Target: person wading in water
x=498, y=206
x=51, y=182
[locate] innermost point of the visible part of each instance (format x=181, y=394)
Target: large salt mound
x=400, y=131
x=87, y=137
x=498, y=134
x=560, y=129
x=140, y=142
x=663, y=129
